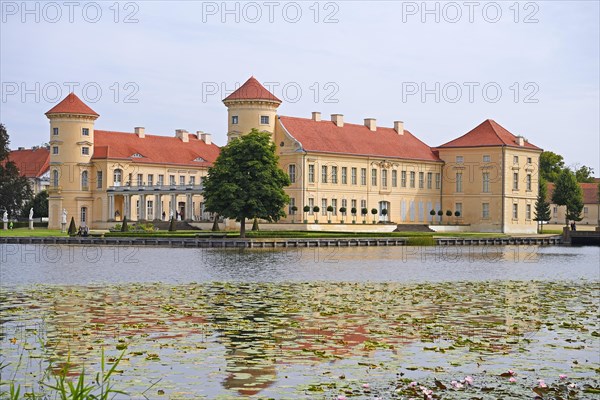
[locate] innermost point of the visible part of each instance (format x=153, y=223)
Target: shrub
x=440, y=213
x=316, y=209
x=330, y=208
x=457, y=213
x=306, y=208
x=448, y=213
x=353, y=210
x=294, y=209
x=124, y=227
x=343, y=210
x=364, y=211
x=172, y=227
x=72, y=228
x=374, y=211
x=432, y=212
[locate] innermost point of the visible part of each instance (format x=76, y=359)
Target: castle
x=487, y=178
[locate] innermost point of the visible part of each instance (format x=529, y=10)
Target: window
x=421, y=180
x=515, y=211
x=394, y=178
x=384, y=178
x=485, y=210
x=140, y=179
x=459, y=159
x=172, y=180
x=344, y=175
x=528, y=182
x=555, y=211
x=528, y=211
x=192, y=180
x=412, y=179
x=311, y=173
x=324, y=174
x=98, y=179
x=353, y=177
x=429, y=180
x=363, y=204
x=292, y=204
x=438, y=180
x=323, y=206
x=55, y=177
x=181, y=180
x=149, y=209
x=311, y=205
x=352, y=204
x=54, y=149
x=345, y=204
x=528, y=160
x=459, y=182
x=55, y=131
x=85, y=151
x=363, y=176
x=264, y=119
x=516, y=181
x=458, y=207
x=373, y=177
x=487, y=158
x=334, y=205
x=83, y=214
x=161, y=180
x=85, y=131
x=84, y=180
x=403, y=178
x=150, y=180
x=515, y=160
x=117, y=177
x=334, y=174
x=234, y=119
x=486, y=182
x=292, y=172
x=585, y=210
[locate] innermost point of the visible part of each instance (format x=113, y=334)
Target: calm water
x=309, y=323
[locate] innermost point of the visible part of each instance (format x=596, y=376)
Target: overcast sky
x=442, y=68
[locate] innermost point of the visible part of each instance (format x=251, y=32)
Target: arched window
x=84, y=180
x=55, y=177
x=117, y=177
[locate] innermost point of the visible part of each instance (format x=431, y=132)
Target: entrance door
x=181, y=208
x=384, y=205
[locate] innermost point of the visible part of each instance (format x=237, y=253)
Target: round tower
x=71, y=150
x=250, y=106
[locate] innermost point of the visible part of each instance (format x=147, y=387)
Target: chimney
x=183, y=135
x=206, y=137
x=21, y=148
x=521, y=140
x=316, y=116
x=338, y=119
x=371, y=124
x=399, y=127
x=139, y=131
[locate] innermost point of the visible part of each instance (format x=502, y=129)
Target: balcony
x=149, y=189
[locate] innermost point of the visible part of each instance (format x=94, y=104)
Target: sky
x=441, y=67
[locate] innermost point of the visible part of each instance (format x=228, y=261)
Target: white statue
x=5, y=216
x=171, y=215
x=31, y=213
x=64, y=216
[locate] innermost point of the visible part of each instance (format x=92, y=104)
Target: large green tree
x=246, y=182
x=39, y=203
x=14, y=188
x=568, y=193
x=551, y=164
x=542, y=206
x=584, y=174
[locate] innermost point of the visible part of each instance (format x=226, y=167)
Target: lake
x=388, y=322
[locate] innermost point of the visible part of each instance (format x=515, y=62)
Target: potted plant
x=384, y=213
x=316, y=210
x=440, y=213
x=457, y=214
x=294, y=209
x=343, y=212
x=353, y=212
x=329, y=211
x=364, y=213
x=448, y=214
x=374, y=212
x=432, y=213
x=306, y=210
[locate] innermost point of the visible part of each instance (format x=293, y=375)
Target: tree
x=15, y=189
x=551, y=164
x=39, y=203
x=567, y=192
x=384, y=213
x=343, y=212
x=316, y=210
x=72, y=228
x=306, y=209
x=329, y=211
x=584, y=174
x=246, y=182
x=542, y=206
x=364, y=213
x=353, y=212
x=374, y=212
x=124, y=227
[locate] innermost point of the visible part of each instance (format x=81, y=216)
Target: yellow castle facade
x=487, y=178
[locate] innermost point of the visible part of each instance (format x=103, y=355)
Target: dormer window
x=136, y=155
x=199, y=159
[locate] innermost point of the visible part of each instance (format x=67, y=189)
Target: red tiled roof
x=326, y=137
x=31, y=163
x=590, y=192
x=72, y=105
x=252, y=90
x=153, y=148
x=488, y=133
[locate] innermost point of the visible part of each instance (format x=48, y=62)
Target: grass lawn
x=36, y=232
